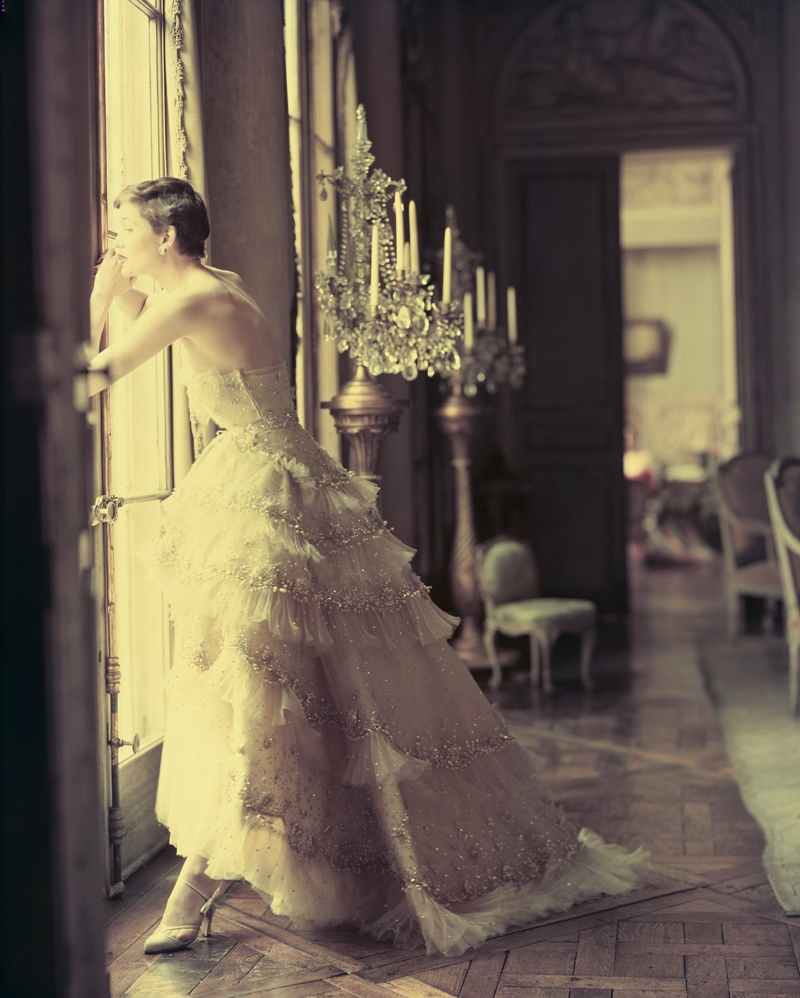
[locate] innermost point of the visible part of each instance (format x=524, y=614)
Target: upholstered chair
x=751, y=568
x=782, y=485
x=508, y=580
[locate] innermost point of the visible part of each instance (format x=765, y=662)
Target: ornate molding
x=744, y=11
x=665, y=182
x=179, y=93
x=620, y=58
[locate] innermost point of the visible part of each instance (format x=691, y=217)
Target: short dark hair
x=169, y=201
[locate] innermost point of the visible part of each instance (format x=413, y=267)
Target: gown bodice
x=240, y=399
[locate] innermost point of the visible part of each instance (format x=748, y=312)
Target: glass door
x=135, y=467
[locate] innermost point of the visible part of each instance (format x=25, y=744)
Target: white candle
x=398, y=216
x=407, y=258
x=511, y=308
x=491, y=295
x=447, y=266
x=468, y=331
x=331, y=236
x=480, y=292
x=413, y=236
x=374, y=272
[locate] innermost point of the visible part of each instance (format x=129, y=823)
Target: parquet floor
x=640, y=761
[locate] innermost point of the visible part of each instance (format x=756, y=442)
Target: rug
x=748, y=681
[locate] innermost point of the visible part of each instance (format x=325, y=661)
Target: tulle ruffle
x=314, y=561
x=598, y=868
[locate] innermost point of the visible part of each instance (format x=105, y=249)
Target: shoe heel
x=207, y=911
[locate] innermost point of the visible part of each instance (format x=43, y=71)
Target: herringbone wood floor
x=640, y=761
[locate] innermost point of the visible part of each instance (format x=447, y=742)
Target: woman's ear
x=169, y=237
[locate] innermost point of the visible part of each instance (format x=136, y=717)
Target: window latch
x=105, y=509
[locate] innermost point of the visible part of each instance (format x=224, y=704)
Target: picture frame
x=645, y=346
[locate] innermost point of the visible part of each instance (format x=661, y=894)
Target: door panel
x=562, y=224
x=138, y=782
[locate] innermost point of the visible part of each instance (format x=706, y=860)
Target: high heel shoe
x=168, y=938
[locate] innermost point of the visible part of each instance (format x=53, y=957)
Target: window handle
x=105, y=509
x=119, y=742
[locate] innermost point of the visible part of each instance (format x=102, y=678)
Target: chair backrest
x=743, y=510
x=782, y=485
x=506, y=571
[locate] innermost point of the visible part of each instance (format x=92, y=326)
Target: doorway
x=682, y=413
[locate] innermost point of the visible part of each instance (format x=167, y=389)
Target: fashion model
x=323, y=741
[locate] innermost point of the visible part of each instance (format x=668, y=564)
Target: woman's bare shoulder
x=227, y=275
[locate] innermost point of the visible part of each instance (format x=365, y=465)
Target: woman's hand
x=109, y=281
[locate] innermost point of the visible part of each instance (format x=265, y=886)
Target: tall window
x=136, y=460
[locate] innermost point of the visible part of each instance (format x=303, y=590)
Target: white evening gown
x=323, y=742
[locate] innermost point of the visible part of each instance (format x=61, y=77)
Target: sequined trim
x=357, y=723
x=267, y=421
x=299, y=586
x=331, y=533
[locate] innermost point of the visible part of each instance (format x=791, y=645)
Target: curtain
x=186, y=160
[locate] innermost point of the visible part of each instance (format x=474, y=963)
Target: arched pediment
x=581, y=60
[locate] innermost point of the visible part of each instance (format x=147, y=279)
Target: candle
x=413, y=237
x=491, y=295
x=374, y=272
x=511, y=308
x=407, y=258
x=331, y=246
x=480, y=291
x=447, y=267
x=398, y=216
x=468, y=331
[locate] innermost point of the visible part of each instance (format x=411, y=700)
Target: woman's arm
x=110, y=285
x=152, y=332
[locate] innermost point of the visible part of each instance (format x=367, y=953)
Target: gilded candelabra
x=377, y=305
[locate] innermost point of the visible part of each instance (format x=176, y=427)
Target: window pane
x=140, y=431
x=143, y=632
x=134, y=117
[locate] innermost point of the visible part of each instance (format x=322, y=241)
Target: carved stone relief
x=666, y=182
x=620, y=57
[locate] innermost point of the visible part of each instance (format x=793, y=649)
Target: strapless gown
x=323, y=741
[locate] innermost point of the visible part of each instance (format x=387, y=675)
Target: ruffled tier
x=598, y=868
x=260, y=536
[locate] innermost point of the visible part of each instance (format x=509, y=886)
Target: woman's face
x=136, y=243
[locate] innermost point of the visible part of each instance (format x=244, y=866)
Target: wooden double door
x=562, y=432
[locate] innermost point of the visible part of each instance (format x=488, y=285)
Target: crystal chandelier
x=377, y=305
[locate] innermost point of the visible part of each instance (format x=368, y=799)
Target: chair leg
x=794, y=673
x=491, y=654
x=588, y=642
x=535, y=652
x=546, y=645
x=734, y=610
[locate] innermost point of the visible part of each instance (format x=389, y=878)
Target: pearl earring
x=162, y=250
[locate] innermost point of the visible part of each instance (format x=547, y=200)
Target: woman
x=323, y=741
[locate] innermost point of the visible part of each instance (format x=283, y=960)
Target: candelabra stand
x=365, y=413
x=458, y=418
